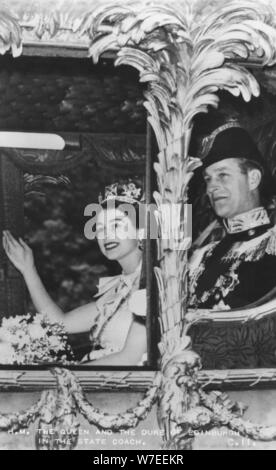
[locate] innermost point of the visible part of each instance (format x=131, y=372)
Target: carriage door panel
x=12, y=290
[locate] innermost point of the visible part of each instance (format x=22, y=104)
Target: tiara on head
x=127, y=192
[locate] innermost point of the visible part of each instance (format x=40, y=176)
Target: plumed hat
x=233, y=141
x=230, y=141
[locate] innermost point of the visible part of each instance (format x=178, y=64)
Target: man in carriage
x=240, y=269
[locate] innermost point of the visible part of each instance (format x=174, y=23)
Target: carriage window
x=243, y=279
x=75, y=265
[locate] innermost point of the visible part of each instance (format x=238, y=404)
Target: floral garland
x=57, y=410
x=21, y=420
x=33, y=339
x=115, y=422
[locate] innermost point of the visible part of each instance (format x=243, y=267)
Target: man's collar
x=246, y=221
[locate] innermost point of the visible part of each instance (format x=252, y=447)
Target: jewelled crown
x=128, y=192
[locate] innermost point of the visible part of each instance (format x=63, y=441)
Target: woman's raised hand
x=18, y=252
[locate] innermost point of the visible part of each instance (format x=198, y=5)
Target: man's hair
x=247, y=165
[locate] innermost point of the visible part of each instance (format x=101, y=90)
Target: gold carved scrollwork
x=33, y=184
x=10, y=33
x=185, y=58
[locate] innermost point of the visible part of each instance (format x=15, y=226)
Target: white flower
x=5, y=335
x=54, y=342
x=31, y=339
x=7, y=355
x=36, y=331
x=18, y=336
x=11, y=322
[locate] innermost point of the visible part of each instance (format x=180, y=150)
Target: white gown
x=119, y=300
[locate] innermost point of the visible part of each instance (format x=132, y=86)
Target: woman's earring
x=141, y=245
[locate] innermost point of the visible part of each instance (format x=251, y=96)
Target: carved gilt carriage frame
x=186, y=51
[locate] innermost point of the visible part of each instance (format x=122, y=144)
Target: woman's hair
x=120, y=196
x=136, y=217
x=126, y=195
x=138, y=223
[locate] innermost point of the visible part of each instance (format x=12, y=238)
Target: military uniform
x=233, y=273
x=238, y=270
